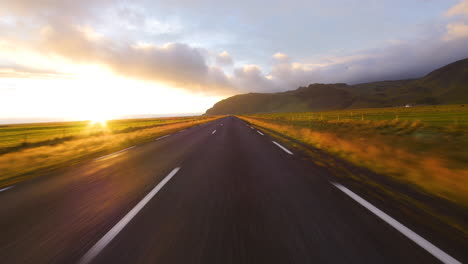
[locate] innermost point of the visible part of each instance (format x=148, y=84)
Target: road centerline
x=260, y=133
x=420, y=241
x=214, y=131
x=111, y=234
x=283, y=148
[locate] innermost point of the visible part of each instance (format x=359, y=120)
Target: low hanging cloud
x=398, y=61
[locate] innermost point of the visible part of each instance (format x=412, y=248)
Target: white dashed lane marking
x=283, y=148
x=428, y=246
x=109, y=236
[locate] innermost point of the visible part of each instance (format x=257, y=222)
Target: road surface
x=222, y=192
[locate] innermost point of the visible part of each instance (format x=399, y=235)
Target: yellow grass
x=433, y=173
x=16, y=166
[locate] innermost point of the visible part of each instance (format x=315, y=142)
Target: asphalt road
x=222, y=192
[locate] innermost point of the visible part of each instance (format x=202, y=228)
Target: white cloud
x=224, y=59
x=456, y=31
x=70, y=30
x=251, y=78
x=459, y=28
x=281, y=57
x=397, y=61
x=459, y=9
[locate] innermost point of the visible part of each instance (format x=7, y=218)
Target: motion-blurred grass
x=20, y=136
x=49, y=147
x=426, y=146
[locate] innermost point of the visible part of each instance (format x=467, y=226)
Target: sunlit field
x=28, y=150
x=436, y=115
x=20, y=136
x=425, y=146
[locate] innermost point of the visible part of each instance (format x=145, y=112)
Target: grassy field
x=52, y=145
x=426, y=146
x=437, y=115
x=20, y=136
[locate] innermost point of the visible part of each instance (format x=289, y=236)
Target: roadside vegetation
x=20, y=136
x=426, y=146
x=26, y=150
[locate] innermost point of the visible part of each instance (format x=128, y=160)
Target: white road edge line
x=428, y=246
x=6, y=188
x=213, y=132
x=103, y=157
x=260, y=133
x=109, y=236
x=283, y=148
x=162, y=137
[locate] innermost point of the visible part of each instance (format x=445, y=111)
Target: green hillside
x=447, y=85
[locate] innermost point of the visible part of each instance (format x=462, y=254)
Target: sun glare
x=98, y=121
x=96, y=98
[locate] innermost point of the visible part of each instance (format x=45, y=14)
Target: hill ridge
x=445, y=85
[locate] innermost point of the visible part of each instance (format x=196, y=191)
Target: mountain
x=446, y=85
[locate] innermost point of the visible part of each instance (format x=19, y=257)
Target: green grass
x=438, y=116
x=19, y=136
x=426, y=146
x=49, y=147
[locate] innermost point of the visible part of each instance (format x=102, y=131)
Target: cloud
x=280, y=57
x=399, y=61
x=65, y=30
x=456, y=31
x=65, y=10
x=224, y=59
x=72, y=30
x=176, y=64
x=251, y=78
x=459, y=9
x=13, y=70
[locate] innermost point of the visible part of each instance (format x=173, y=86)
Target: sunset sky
x=101, y=59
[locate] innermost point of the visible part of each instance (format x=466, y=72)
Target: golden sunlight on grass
x=98, y=122
x=429, y=155
x=54, y=150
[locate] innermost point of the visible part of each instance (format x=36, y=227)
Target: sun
x=98, y=121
